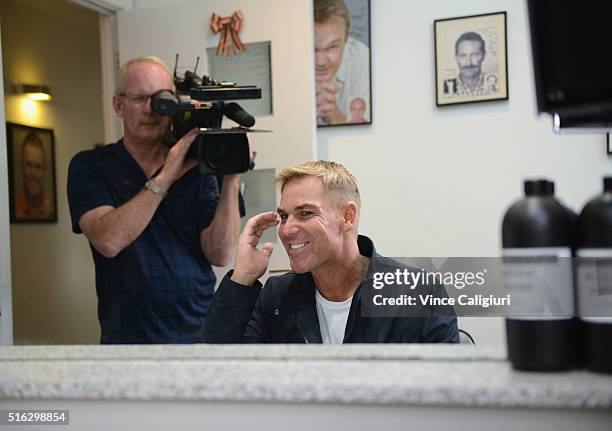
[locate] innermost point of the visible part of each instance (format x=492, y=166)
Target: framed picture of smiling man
x=342, y=62
x=31, y=166
x=471, y=64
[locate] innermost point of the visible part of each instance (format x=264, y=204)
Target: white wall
x=109, y=58
x=437, y=181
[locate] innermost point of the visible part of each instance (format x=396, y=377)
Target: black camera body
x=202, y=103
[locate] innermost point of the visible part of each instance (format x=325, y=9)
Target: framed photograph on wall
x=342, y=62
x=31, y=166
x=471, y=59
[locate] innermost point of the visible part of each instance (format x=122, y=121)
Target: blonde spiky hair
x=337, y=180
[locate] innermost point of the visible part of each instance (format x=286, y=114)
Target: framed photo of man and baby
x=342, y=62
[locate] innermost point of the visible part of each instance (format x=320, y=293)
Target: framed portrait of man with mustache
x=471, y=62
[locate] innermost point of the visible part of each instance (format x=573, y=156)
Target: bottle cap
x=539, y=187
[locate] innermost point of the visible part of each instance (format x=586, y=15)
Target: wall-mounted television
x=572, y=57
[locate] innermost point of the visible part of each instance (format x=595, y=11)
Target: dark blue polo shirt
x=157, y=289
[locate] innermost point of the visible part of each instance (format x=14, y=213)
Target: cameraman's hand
x=251, y=263
x=327, y=107
x=175, y=165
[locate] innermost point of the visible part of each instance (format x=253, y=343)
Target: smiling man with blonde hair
x=319, y=301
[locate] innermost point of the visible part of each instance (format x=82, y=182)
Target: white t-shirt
x=353, y=77
x=332, y=318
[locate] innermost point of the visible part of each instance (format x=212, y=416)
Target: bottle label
x=594, y=284
x=539, y=282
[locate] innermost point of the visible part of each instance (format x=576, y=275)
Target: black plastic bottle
x=594, y=280
x=539, y=228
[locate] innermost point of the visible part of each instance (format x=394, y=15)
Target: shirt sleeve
x=234, y=314
x=358, y=76
x=209, y=197
x=441, y=326
x=87, y=188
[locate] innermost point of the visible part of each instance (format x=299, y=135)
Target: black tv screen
x=572, y=57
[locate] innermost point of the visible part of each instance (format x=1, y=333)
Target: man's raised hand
x=251, y=262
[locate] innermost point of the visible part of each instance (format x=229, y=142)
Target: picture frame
x=343, y=63
x=32, y=178
x=252, y=66
x=464, y=71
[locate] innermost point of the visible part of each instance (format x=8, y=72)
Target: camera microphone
x=234, y=112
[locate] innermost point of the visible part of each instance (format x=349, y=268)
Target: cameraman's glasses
x=138, y=100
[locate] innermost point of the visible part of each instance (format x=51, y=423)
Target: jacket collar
x=304, y=309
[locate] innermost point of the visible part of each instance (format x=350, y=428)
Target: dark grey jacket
x=284, y=311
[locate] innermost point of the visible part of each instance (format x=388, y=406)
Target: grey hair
x=120, y=88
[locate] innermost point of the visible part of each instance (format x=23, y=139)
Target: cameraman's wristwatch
x=152, y=185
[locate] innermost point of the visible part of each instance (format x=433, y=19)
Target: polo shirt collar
x=123, y=154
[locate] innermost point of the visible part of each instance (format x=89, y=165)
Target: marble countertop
x=434, y=375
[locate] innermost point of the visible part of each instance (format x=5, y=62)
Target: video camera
x=201, y=102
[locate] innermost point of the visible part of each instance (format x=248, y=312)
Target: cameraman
x=153, y=237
